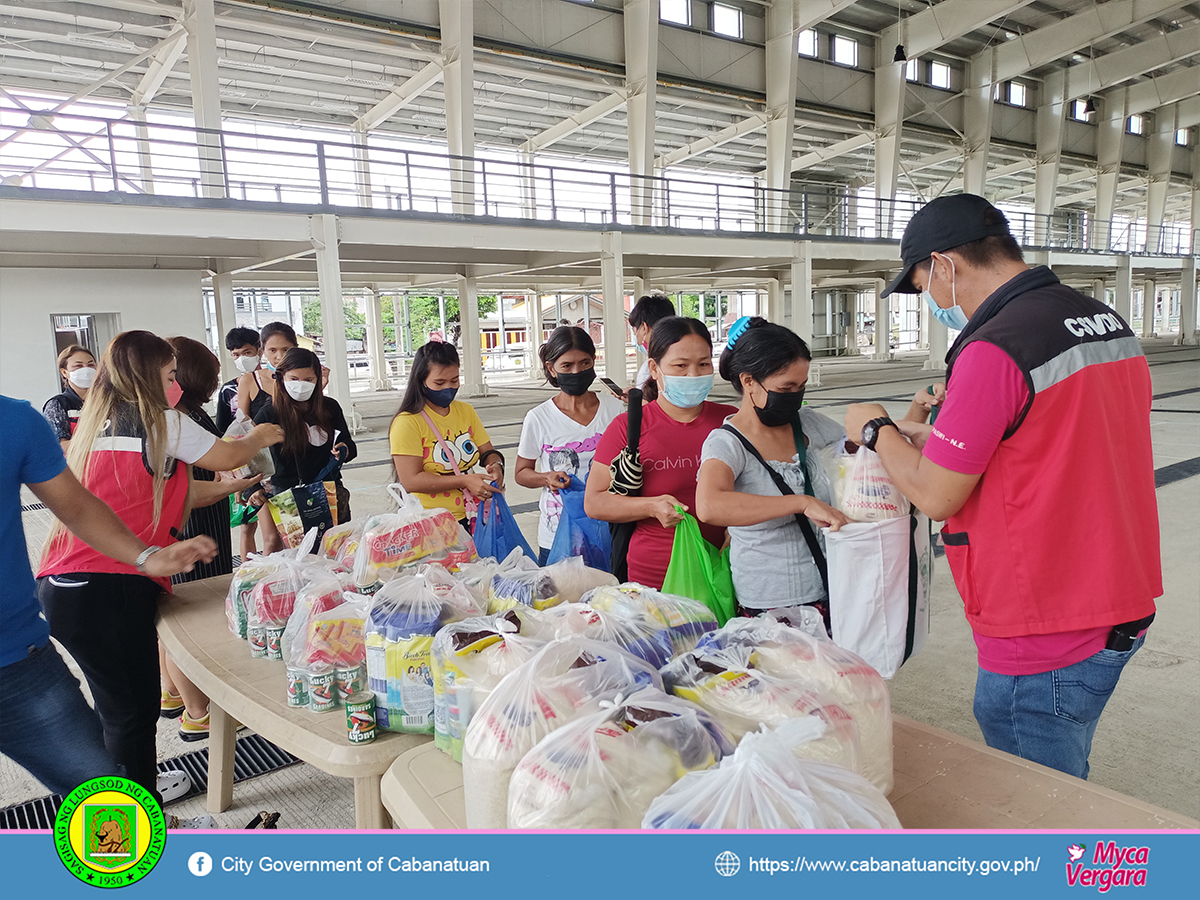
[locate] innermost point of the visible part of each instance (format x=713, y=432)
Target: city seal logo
x=109, y=832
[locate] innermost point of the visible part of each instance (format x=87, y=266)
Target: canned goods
x=322, y=691
x=297, y=686
x=360, y=717
x=349, y=680
x=273, y=637
x=257, y=636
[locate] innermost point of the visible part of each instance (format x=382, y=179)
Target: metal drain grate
x=253, y=756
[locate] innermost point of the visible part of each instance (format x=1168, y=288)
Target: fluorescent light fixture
x=74, y=74
x=369, y=82
x=231, y=92
x=431, y=120
x=99, y=40
x=334, y=107
x=227, y=63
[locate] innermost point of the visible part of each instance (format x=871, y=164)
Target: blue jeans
x=1049, y=718
x=543, y=555
x=47, y=727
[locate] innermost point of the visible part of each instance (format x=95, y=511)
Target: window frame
x=833, y=50
x=934, y=66
x=1141, y=125
x=741, y=21
x=816, y=44
x=912, y=71
x=686, y=6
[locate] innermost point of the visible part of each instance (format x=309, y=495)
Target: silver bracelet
x=140, y=562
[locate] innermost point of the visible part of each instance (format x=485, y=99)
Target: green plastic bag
x=240, y=514
x=700, y=571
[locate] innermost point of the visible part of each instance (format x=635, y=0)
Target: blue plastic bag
x=578, y=535
x=496, y=532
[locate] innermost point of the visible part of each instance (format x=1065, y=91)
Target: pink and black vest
x=1061, y=531
x=119, y=473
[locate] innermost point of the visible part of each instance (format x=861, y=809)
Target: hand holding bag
x=700, y=571
x=577, y=534
x=496, y=531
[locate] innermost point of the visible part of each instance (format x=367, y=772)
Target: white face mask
x=82, y=378
x=299, y=390
x=247, y=364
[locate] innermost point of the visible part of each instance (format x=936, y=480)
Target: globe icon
x=727, y=863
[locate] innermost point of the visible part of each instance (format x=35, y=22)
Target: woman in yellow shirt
x=436, y=440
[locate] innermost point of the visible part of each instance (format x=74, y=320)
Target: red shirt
x=670, y=453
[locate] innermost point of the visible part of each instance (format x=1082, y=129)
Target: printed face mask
x=954, y=317
x=780, y=409
x=82, y=378
x=299, y=390
x=687, y=391
x=442, y=398
x=174, y=393
x=575, y=384
x=247, y=364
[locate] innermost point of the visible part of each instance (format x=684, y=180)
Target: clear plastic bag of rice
x=765, y=784
x=811, y=663
x=603, y=769
x=686, y=620
x=566, y=678
x=869, y=495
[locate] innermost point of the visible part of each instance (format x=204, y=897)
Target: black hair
x=562, y=340
x=239, y=337
x=666, y=334
x=294, y=416
x=650, y=310
x=762, y=350
x=435, y=353
x=273, y=328
x=986, y=252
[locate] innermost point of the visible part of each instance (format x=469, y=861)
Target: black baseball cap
x=943, y=224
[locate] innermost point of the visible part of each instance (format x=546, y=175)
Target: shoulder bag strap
x=810, y=537
x=470, y=502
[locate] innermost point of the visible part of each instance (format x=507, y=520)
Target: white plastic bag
x=410, y=536
x=604, y=769
x=686, y=620
x=574, y=579
x=880, y=574
x=869, y=495
x=813, y=663
x=566, y=678
x=765, y=785
x=262, y=463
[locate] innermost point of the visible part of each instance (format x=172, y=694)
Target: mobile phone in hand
x=612, y=386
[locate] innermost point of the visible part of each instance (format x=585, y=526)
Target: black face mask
x=575, y=383
x=780, y=409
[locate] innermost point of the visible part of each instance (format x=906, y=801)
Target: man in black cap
x=1041, y=465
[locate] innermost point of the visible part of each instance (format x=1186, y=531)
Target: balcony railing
x=130, y=157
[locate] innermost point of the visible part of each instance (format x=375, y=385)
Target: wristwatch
x=870, y=432
x=143, y=556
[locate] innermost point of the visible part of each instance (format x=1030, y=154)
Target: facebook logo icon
x=200, y=864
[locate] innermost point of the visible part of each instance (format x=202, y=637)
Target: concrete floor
x=1147, y=744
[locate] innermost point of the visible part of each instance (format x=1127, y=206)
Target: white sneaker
x=173, y=784
x=194, y=823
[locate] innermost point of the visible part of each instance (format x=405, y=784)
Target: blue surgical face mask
x=442, y=398
x=954, y=317
x=687, y=391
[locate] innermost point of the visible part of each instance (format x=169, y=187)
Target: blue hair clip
x=736, y=330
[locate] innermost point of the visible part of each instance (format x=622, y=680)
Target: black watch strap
x=879, y=425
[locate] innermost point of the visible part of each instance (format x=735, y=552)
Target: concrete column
x=1123, y=296
x=362, y=167
x=1195, y=214
x=1111, y=121
x=939, y=344
x=1051, y=119
x=781, y=65
x=612, y=282
x=458, y=81
x=890, y=88
x=226, y=311
x=528, y=187
x=145, y=162
x=977, y=116
x=775, y=301
x=641, y=81
x=1149, y=307
x=200, y=21
x=375, y=347
x=883, y=323
x=473, y=383
x=404, y=336
x=533, y=328
x=1187, y=302
x=1162, y=147
x=442, y=314
x=802, y=290
x=1098, y=291
x=924, y=318
x=851, y=323
x=333, y=313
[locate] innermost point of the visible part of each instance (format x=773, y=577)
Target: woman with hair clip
x=760, y=476
x=316, y=438
x=127, y=451
x=76, y=371
x=436, y=440
x=676, y=419
x=562, y=433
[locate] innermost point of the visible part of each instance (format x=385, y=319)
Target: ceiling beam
x=160, y=66
x=814, y=12
x=724, y=136
x=1145, y=56
x=940, y=24
x=401, y=96
x=1154, y=92
x=575, y=122
x=841, y=148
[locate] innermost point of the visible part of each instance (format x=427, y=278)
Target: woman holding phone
x=562, y=433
